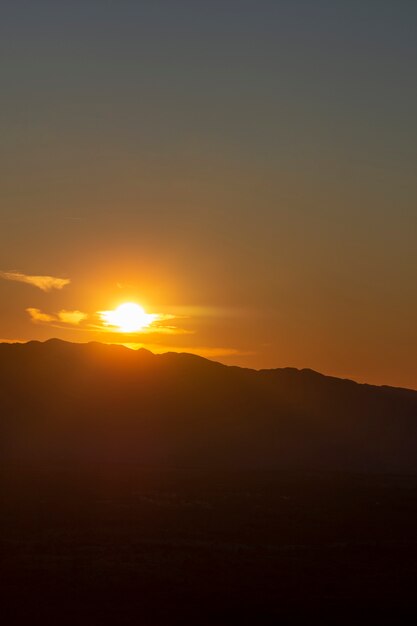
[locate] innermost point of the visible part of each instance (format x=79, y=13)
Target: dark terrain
x=149, y=490
x=94, y=403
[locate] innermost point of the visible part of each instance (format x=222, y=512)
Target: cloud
x=66, y=317
x=168, y=330
x=71, y=317
x=114, y=323
x=45, y=283
x=37, y=315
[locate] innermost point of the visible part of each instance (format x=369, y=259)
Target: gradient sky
x=245, y=168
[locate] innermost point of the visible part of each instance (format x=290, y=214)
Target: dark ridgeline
x=100, y=403
x=162, y=490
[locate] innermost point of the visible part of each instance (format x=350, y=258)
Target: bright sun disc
x=128, y=318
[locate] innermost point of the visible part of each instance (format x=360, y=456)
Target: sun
x=128, y=318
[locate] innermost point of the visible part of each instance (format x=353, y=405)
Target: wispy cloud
x=72, y=318
x=36, y=315
x=133, y=322
x=45, y=283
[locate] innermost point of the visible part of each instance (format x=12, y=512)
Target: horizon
x=206, y=358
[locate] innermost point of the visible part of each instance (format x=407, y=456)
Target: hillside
x=95, y=403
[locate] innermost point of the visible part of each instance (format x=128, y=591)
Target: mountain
x=95, y=403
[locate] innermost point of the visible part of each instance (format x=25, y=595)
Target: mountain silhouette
x=95, y=403
x=170, y=489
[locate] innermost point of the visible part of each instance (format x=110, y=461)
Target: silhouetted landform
x=171, y=490
x=97, y=403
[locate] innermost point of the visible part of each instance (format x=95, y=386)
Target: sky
x=244, y=170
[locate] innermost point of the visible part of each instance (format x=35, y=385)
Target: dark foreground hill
x=171, y=490
x=96, y=403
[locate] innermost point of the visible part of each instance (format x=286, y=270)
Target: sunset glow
x=128, y=318
x=230, y=179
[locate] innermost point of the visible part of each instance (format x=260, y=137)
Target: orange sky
x=249, y=176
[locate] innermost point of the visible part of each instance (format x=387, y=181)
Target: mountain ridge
x=304, y=370
x=99, y=403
